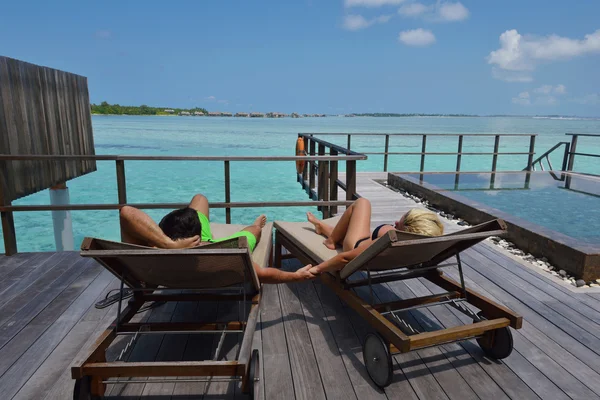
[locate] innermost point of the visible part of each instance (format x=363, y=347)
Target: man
x=189, y=227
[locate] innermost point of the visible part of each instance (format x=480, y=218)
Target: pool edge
x=564, y=252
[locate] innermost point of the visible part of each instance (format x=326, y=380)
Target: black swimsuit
x=374, y=235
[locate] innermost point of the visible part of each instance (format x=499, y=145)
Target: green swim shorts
x=206, y=234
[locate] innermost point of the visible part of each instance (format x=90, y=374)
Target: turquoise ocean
x=176, y=181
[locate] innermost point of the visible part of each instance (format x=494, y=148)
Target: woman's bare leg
x=349, y=225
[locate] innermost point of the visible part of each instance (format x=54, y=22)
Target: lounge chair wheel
x=83, y=389
x=378, y=359
x=254, y=375
x=502, y=342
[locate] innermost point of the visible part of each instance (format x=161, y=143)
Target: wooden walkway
x=310, y=342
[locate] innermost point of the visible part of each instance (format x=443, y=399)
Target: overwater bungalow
x=242, y=114
x=492, y=305
x=257, y=115
x=198, y=113
x=185, y=113
x=226, y=114
x=169, y=111
x=215, y=114
x=295, y=115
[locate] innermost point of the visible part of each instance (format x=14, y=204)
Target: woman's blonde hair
x=422, y=222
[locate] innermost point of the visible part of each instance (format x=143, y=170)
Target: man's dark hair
x=181, y=224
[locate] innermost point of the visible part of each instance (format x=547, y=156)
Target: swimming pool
x=547, y=200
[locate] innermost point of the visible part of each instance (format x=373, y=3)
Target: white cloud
x=523, y=99
x=210, y=98
x=372, y=3
x=523, y=53
x=103, y=34
x=417, y=37
x=452, y=12
x=546, y=101
x=355, y=22
x=511, y=76
x=560, y=89
x=547, y=89
x=438, y=12
x=590, y=99
x=413, y=9
x=545, y=95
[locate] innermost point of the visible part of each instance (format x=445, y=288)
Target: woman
x=353, y=232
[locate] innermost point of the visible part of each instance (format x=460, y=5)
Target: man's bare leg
x=256, y=227
x=138, y=228
x=200, y=203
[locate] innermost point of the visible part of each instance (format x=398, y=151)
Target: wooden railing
x=7, y=209
x=320, y=177
x=424, y=153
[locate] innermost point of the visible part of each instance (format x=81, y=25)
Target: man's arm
x=275, y=275
x=137, y=227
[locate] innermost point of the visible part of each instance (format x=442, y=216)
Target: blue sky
x=331, y=56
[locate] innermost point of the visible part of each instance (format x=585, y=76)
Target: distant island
x=116, y=109
x=409, y=115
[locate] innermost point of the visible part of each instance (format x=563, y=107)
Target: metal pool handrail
x=6, y=209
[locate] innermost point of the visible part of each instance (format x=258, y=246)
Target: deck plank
x=33, y=329
x=196, y=348
x=275, y=356
x=331, y=367
x=305, y=372
x=18, y=374
x=52, y=380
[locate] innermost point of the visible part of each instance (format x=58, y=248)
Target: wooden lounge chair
x=397, y=256
x=213, y=272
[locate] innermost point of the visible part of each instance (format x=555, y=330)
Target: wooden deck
x=310, y=342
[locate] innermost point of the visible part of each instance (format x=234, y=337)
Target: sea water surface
x=177, y=181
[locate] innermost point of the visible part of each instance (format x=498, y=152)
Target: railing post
x=227, y=192
x=121, y=183
x=423, y=149
x=494, y=161
x=325, y=188
x=349, y=141
x=530, y=161
x=572, y=151
x=312, y=172
x=385, y=156
x=8, y=232
x=350, y=179
x=321, y=178
x=333, y=186
x=458, y=160
x=531, y=152
x=305, y=170
x=566, y=156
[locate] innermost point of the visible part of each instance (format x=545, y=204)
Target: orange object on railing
x=300, y=151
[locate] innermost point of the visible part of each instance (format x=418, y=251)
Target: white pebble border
x=540, y=263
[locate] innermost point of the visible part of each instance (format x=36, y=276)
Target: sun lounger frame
x=399, y=335
x=95, y=372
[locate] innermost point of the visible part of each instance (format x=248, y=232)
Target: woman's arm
x=275, y=275
x=338, y=262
